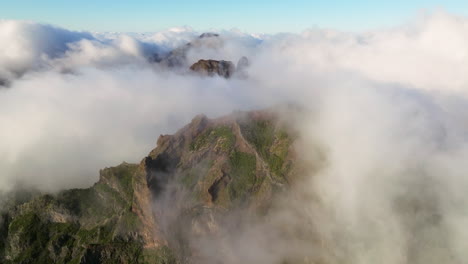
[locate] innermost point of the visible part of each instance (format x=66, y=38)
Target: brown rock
x=211, y=67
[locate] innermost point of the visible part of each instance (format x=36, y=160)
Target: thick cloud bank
x=78, y=101
x=28, y=46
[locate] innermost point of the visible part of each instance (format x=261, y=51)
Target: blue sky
x=251, y=16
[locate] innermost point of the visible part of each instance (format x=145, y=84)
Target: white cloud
x=26, y=46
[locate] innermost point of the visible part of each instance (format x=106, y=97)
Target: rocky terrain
x=211, y=67
x=177, y=58
x=143, y=213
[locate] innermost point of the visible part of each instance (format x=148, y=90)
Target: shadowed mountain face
x=146, y=213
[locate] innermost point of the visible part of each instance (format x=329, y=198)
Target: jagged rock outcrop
x=178, y=57
x=135, y=213
x=211, y=67
x=214, y=166
x=256, y=140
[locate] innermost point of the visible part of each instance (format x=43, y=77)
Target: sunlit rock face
x=212, y=67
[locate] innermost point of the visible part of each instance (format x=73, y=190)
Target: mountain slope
x=143, y=213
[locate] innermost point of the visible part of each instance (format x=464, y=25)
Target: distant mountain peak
x=208, y=35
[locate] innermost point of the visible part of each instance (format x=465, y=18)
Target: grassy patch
x=222, y=134
x=34, y=235
x=271, y=145
x=243, y=175
x=261, y=134
x=129, y=222
x=278, y=152
x=98, y=235
x=162, y=255
x=123, y=175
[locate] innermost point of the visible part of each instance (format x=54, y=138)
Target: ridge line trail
x=263, y=164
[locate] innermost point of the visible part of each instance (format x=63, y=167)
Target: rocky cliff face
x=212, y=67
x=141, y=213
x=108, y=222
x=177, y=58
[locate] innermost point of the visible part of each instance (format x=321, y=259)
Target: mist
x=387, y=185
x=386, y=109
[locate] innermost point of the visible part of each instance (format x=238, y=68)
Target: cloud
x=429, y=53
x=61, y=132
x=385, y=190
x=28, y=46
x=388, y=186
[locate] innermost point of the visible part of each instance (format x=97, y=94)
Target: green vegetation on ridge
x=77, y=226
x=218, y=170
x=272, y=144
x=243, y=174
x=223, y=134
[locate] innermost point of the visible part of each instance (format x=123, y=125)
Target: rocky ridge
x=177, y=58
x=235, y=162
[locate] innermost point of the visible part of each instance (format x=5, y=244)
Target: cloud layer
x=98, y=93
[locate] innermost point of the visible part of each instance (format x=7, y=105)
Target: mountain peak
x=208, y=35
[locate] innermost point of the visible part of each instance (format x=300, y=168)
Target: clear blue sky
x=251, y=16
